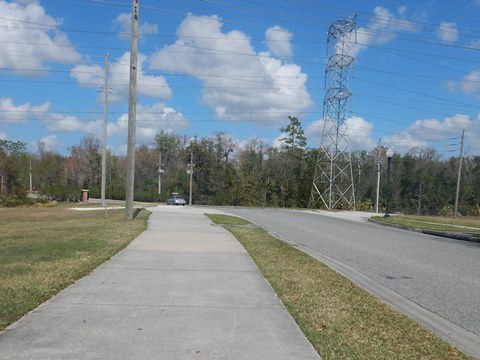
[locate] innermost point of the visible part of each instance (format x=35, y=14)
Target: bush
x=365, y=205
x=12, y=200
x=62, y=193
x=16, y=198
x=446, y=210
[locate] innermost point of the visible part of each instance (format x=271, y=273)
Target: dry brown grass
x=44, y=249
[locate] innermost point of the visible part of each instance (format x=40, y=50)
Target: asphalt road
x=439, y=274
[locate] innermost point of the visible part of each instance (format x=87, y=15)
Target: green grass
x=228, y=220
x=341, y=320
x=438, y=223
x=45, y=249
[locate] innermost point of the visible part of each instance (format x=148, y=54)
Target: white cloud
x=402, y=142
x=123, y=23
x=53, y=121
x=88, y=75
x=62, y=122
x=50, y=142
x=119, y=76
x=475, y=44
x=313, y=133
x=278, y=41
x=277, y=142
x=150, y=120
x=423, y=132
x=26, y=49
x=434, y=129
x=11, y=113
x=358, y=132
x=447, y=32
x=360, y=136
x=382, y=28
x=256, y=144
x=470, y=84
x=420, y=133
x=20, y=114
x=238, y=83
x=402, y=10
x=3, y=136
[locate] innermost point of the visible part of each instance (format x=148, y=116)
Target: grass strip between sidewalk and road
x=341, y=320
x=45, y=249
x=436, y=223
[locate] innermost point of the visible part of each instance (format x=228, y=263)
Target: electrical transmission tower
x=333, y=182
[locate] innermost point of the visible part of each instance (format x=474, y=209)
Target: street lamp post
x=389, y=161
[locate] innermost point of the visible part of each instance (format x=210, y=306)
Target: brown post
x=84, y=195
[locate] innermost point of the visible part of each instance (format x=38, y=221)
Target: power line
x=418, y=93
x=288, y=16
x=252, y=78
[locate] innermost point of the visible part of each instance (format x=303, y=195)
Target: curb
x=408, y=228
x=451, y=235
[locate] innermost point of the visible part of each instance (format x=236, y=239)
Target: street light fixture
x=389, y=161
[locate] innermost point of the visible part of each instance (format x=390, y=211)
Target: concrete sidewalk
x=184, y=289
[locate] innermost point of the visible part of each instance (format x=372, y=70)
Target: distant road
x=442, y=275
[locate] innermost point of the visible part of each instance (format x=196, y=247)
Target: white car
x=176, y=199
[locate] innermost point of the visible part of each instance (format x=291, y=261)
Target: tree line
x=422, y=182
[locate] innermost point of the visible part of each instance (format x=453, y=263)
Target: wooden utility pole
x=191, y=178
x=459, y=176
x=30, y=176
x=379, y=162
x=104, y=135
x=132, y=113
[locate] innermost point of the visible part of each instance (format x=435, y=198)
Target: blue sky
x=240, y=67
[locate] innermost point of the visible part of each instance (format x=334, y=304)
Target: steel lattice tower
x=333, y=182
